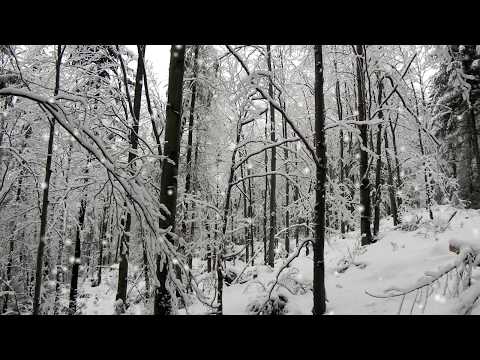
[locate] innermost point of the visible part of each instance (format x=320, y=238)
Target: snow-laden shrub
x=411, y=224
x=276, y=305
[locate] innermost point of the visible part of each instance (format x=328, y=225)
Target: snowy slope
x=399, y=258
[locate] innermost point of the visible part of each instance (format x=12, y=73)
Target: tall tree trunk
x=287, y=187
x=391, y=185
x=273, y=166
x=190, y=142
x=474, y=140
x=341, y=160
x=46, y=187
x=365, y=206
x=296, y=195
x=376, y=219
x=61, y=274
x=250, y=216
x=77, y=253
x=125, y=239
x=319, y=305
x=397, y=160
x=169, y=186
x=265, y=253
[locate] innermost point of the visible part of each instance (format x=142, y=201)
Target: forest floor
x=399, y=258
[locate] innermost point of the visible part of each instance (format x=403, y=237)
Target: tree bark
x=319, y=306
x=376, y=219
x=365, y=206
x=273, y=166
x=46, y=188
x=125, y=239
x=169, y=186
x=190, y=142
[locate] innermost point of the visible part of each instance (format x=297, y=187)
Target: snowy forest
x=257, y=180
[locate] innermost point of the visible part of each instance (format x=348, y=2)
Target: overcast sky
x=159, y=57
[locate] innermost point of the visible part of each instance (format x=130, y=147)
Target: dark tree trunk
x=44, y=214
x=287, y=187
x=265, y=253
x=319, y=305
x=188, y=178
x=391, y=185
x=273, y=166
x=168, y=189
x=77, y=253
x=125, y=239
x=397, y=161
x=365, y=206
x=250, y=216
x=341, y=161
x=376, y=219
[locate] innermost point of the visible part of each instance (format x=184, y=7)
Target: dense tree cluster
x=255, y=152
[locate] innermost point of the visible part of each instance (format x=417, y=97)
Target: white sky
x=159, y=57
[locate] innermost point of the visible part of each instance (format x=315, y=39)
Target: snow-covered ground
x=398, y=259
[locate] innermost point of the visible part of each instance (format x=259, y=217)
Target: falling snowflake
x=175, y=261
x=43, y=185
x=361, y=208
x=346, y=138
x=402, y=148
x=179, y=47
x=357, y=156
x=306, y=171
x=249, y=166
x=78, y=261
x=71, y=259
x=68, y=242
x=170, y=192
x=51, y=100
x=104, y=242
